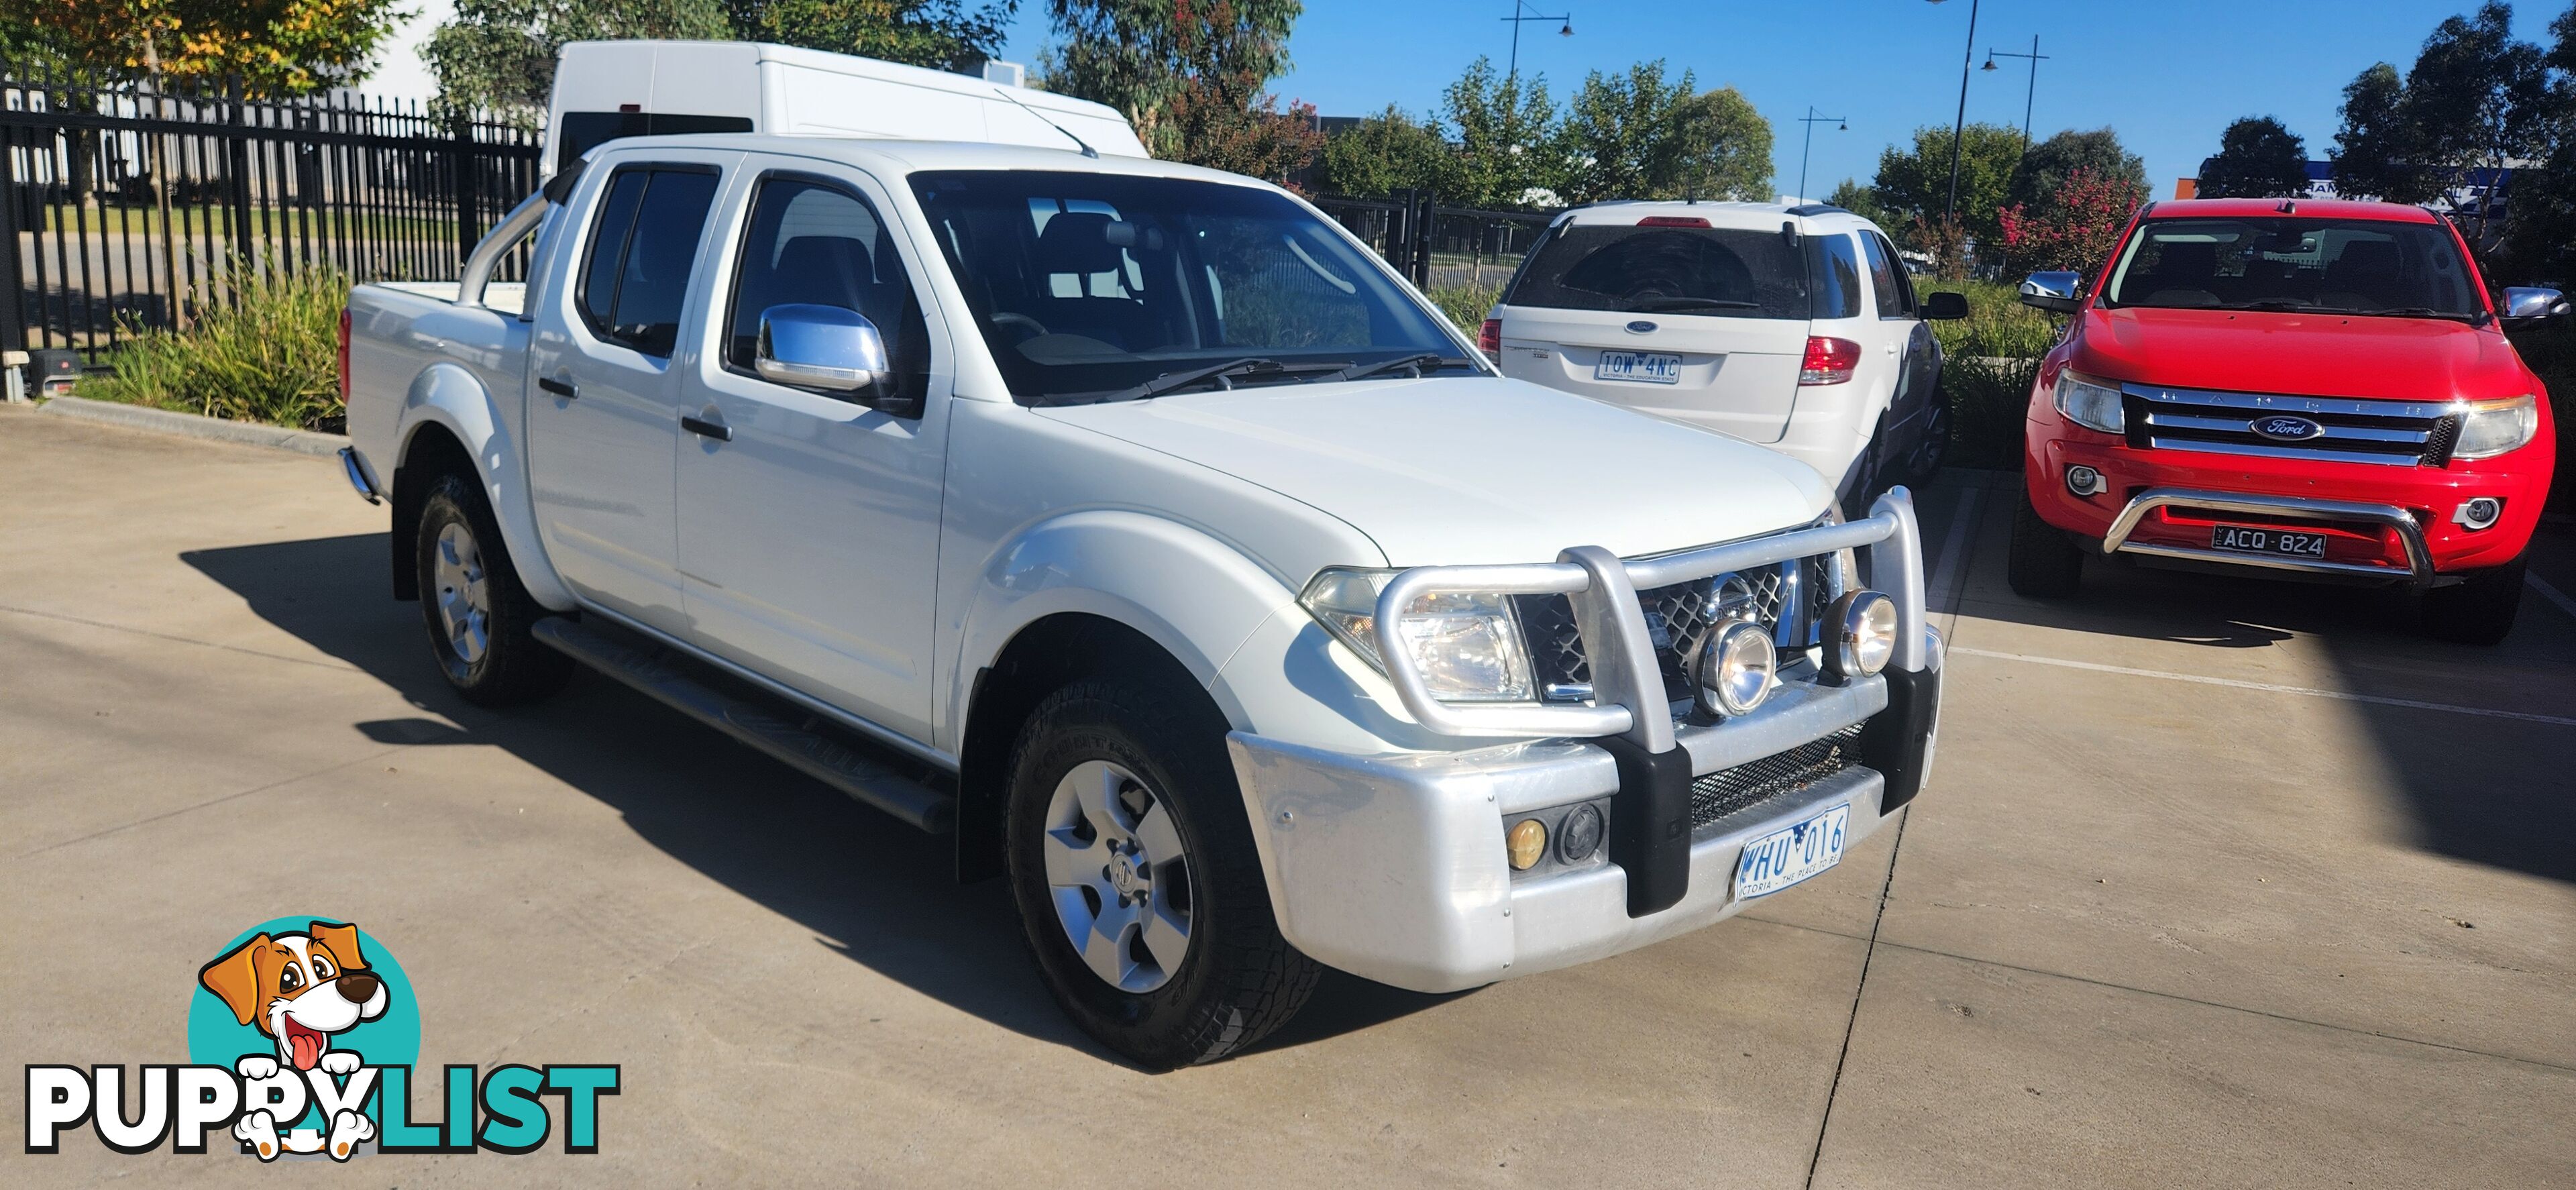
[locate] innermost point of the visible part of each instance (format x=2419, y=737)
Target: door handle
x=560, y=388
x=706, y=429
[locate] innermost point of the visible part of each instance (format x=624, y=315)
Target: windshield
x=1720, y=272
x=1091, y=286
x=2342, y=266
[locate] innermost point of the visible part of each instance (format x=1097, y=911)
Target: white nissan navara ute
x=1134, y=526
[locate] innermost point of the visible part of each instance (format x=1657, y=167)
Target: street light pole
x=1521, y=15
x=1811, y=119
x=1967, y=61
x=2027, y=96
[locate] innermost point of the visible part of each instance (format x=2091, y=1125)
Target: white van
x=605, y=90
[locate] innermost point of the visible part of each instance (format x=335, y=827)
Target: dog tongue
x=308, y=1049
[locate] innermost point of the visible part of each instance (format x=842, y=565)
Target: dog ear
x=234, y=978
x=342, y=942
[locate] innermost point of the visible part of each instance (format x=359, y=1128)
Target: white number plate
x=1782, y=858
x=1647, y=367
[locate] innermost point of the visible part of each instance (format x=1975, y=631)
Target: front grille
x=2396, y=433
x=1679, y=618
x=1728, y=791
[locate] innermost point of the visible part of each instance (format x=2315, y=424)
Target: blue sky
x=2167, y=75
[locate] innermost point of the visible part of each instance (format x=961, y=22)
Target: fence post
x=467, y=219
x=13, y=278
x=1418, y=254
x=237, y=165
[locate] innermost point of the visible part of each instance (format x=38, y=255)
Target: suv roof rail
x=1817, y=208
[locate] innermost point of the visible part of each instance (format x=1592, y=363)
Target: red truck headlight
x=2090, y=403
x=2490, y=428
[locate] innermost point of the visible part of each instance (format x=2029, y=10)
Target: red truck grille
x=2319, y=429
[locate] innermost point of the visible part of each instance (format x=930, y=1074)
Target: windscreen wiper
x=1429, y=359
x=1652, y=305
x=1222, y=375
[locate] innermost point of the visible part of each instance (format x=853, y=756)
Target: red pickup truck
x=2316, y=388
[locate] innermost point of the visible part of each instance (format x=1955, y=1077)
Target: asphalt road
x=2218, y=883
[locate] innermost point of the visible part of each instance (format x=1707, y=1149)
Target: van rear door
x=1666, y=315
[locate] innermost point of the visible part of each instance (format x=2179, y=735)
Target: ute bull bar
x=2410, y=535
x=1631, y=716
x=1628, y=688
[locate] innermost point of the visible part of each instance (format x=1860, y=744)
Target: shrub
x=270, y=355
x=1988, y=398
x=1467, y=305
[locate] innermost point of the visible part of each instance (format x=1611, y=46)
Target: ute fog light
x=2085, y=481
x=2480, y=513
x=1580, y=835
x=1739, y=670
x=1863, y=624
x=1527, y=842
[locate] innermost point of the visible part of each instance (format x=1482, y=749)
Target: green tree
x=1388, y=152
x=1851, y=195
x=2540, y=237
x=266, y=47
x=1915, y=183
x=940, y=34
x=2475, y=101
x=1139, y=55
x=2373, y=156
x=498, y=56
x=1722, y=149
x=2257, y=158
x=1217, y=130
x=1508, y=144
x=2097, y=152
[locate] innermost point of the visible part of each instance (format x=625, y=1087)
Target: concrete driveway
x=2219, y=883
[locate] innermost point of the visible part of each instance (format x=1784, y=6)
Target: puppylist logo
x=302, y=1038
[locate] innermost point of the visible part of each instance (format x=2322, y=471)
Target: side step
x=789, y=735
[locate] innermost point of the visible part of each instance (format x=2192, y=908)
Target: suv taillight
x=344, y=357
x=1489, y=339
x=1829, y=361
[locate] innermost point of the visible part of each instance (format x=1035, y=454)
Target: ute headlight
x=2490, y=428
x=1863, y=624
x=2090, y=403
x=1467, y=646
x=1738, y=671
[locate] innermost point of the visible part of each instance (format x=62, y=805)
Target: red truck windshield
x=2338, y=266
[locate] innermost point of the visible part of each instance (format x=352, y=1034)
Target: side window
x=1886, y=281
x=1835, y=270
x=810, y=242
x=637, y=273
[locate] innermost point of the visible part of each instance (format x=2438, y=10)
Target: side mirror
x=1942, y=307
x=2057, y=293
x=2531, y=306
x=826, y=349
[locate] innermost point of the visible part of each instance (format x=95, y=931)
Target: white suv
x=1792, y=326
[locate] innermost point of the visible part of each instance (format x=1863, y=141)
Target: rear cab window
x=1665, y=268
x=635, y=275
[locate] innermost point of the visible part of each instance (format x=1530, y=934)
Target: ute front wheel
x=2480, y=609
x=1138, y=887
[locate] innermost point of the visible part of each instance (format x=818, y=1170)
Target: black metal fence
x=1436, y=246
x=125, y=207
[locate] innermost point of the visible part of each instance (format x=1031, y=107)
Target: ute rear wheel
x=478, y=614
x=1139, y=890
x=2480, y=609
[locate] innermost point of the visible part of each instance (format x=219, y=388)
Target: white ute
x=1134, y=525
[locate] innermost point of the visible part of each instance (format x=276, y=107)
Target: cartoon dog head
x=299, y=988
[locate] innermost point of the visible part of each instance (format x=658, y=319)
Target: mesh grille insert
x=1728, y=791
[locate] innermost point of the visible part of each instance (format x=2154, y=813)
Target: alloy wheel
x=1118, y=874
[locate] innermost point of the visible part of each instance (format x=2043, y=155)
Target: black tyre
x=477, y=613
x=2479, y=610
x=1869, y=473
x=2045, y=563
x=1137, y=883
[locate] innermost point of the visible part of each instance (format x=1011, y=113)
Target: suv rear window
x=1723, y=272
